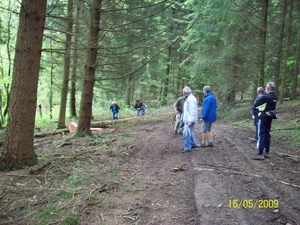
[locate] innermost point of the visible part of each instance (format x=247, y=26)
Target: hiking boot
x=195, y=146
x=258, y=157
x=203, y=145
x=267, y=155
x=185, y=151
x=210, y=144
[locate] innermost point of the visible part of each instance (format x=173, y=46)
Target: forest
x=71, y=58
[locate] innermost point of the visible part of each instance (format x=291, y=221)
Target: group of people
x=139, y=106
x=186, y=110
x=186, y=114
x=263, y=113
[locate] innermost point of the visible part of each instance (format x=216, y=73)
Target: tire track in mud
x=231, y=188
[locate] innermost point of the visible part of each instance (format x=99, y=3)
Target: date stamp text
x=253, y=203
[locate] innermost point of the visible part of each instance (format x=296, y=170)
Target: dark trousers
x=256, y=127
x=264, y=137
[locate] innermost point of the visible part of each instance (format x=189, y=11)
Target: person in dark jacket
x=138, y=107
x=178, y=107
x=208, y=117
x=115, y=110
x=254, y=111
x=265, y=104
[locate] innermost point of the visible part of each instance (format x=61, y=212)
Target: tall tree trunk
x=73, y=112
x=19, y=144
x=279, y=46
x=84, y=122
x=167, y=80
x=9, y=66
x=51, y=85
x=286, y=51
x=295, y=77
x=64, y=91
x=263, y=37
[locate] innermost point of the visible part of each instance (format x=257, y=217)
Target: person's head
x=137, y=101
x=113, y=103
x=270, y=87
x=186, y=91
x=260, y=90
x=206, y=89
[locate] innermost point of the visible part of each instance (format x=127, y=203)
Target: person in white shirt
x=189, y=118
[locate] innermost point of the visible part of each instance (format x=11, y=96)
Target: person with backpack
x=266, y=106
x=115, y=110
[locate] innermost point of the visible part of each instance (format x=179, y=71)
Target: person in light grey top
x=189, y=118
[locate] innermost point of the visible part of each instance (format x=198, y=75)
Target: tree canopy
x=149, y=50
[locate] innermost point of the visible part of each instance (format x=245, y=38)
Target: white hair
x=186, y=90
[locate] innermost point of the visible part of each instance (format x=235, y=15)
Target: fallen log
x=55, y=132
x=98, y=125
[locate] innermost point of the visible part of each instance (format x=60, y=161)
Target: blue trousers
x=188, y=137
x=115, y=115
x=264, y=137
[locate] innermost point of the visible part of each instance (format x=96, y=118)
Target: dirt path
x=231, y=188
x=127, y=177
x=224, y=183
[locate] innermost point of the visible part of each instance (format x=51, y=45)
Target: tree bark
x=279, y=46
x=19, y=144
x=295, y=77
x=167, y=79
x=263, y=42
x=67, y=57
x=286, y=51
x=84, y=121
x=79, y=11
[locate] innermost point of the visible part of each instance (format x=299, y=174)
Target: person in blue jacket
x=208, y=117
x=115, y=110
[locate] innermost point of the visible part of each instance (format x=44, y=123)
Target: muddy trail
x=138, y=175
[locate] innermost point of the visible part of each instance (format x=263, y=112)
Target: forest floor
x=135, y=173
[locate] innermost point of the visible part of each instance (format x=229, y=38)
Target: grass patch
x=70, y=220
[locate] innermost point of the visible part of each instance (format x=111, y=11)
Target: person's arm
x=259, y=102
x=193, y=111
x=204, y=111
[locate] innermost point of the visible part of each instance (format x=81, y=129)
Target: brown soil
x=137, y=175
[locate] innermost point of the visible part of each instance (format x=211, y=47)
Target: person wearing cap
x=115, y=110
